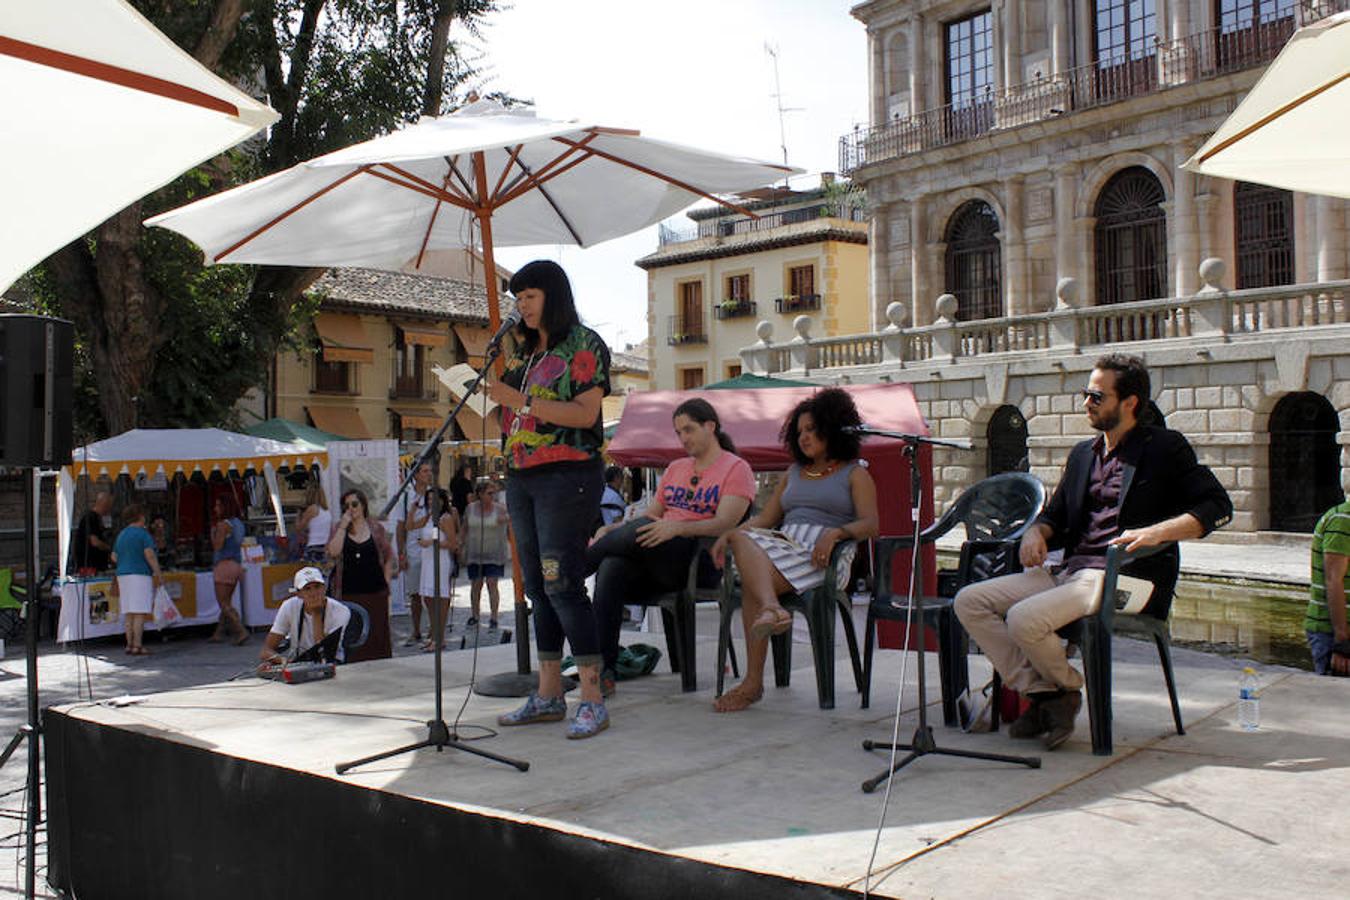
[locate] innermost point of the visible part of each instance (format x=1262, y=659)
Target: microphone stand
x=439, y=734
x=922, y=743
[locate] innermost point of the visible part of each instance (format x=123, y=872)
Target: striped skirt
x=789, y=549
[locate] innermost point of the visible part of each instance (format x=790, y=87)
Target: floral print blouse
x=578, y=363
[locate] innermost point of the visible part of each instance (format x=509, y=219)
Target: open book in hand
x=457, y=379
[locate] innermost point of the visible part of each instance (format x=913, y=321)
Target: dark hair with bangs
x=702, y=412
x=831, y=410
x=560, y=309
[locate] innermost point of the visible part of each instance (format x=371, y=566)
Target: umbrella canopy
x=751, y=380
x=1293, y=129
x=482, y=175
x=100, y=108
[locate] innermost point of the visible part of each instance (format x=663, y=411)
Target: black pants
x=629, y=574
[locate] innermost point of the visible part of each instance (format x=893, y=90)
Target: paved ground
x=100, y=671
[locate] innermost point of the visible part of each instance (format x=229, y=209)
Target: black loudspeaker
x=37, y=381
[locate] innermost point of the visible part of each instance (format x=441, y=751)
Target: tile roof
x=621, y=361
x=427, y=296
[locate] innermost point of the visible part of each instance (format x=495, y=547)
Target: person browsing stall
x=138, y=576
x=315, y=522
x=826, y=496
x=550, y=396
x=412, y=518
x=227, y=566
x=703, y=494
x=304, y=618
x=1135, y=485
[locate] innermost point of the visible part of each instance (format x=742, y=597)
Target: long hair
x=702, y=412
x=315, y=494
x=831, y=411
x=360, y=496
x=560, y=309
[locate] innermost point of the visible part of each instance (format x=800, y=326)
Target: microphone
x=511, y=320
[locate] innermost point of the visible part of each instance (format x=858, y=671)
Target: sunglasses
x=1094, y=397
x=354, y=504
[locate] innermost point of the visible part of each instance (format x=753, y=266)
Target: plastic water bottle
x=1249, y=700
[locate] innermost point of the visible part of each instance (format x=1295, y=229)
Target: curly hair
x=831, y=410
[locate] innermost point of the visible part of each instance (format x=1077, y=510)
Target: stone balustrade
x=1212, y=314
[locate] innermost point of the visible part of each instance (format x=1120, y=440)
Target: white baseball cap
x=307, y=576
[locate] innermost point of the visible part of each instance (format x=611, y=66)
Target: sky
x=695, y=72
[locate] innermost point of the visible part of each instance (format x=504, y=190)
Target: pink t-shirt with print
x=728, y=476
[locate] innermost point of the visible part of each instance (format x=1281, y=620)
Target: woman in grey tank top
x=825, y=497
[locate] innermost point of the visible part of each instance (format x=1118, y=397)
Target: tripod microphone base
x=924, y=744
x=438, y=736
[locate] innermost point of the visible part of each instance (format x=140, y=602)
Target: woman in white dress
x=449, y=547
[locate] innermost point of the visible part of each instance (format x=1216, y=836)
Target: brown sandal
x=771, y=622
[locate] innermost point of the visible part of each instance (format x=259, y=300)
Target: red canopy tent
x=753, y=419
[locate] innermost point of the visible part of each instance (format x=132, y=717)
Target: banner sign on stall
x=368, y=466
x=276, y=581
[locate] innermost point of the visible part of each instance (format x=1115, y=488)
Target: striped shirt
x=1332, y=535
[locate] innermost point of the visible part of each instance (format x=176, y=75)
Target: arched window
x=1007, y=435
x=1131, y=238
x=1263, y=226
x=973, y=265
x=1305, y=466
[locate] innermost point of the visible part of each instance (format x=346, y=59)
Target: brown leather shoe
x=1030, y=724
x=1058, y=715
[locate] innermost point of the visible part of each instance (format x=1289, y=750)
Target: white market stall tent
x=151, y=452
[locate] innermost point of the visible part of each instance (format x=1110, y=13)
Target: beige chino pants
x=1014, y=619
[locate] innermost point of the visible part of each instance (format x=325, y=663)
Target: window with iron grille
x=331, y=377
x=974, y=270
x=1252, y=30
x=1235, y=15
x=1263, y=222
x=1131, y=238
x=969, y=75
x=1125, y=44
x=738, y=288
x=691, y=308
x=410, y=361
x=802, y=281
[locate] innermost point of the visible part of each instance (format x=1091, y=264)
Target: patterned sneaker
x=590, y=720
x=536, y=709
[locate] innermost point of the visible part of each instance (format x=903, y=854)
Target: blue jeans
x=1319, y=644
x=552, y=510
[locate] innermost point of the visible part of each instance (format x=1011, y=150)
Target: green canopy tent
x=293, y=433
x=746, y=381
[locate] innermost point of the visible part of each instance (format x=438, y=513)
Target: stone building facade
x=1029, y=211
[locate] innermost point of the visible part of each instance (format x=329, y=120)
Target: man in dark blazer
x=1134, y=484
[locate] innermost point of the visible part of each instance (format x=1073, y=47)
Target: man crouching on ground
x=1134, y=484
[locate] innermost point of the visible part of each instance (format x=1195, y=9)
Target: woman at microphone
x=550, y=395
x=826, y=496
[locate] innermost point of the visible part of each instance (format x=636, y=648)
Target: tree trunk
x=440, y=44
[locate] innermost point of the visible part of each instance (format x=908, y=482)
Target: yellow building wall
x=842, y=275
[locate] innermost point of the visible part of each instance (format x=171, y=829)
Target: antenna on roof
x=772, y=51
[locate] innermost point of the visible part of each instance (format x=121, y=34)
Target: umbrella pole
x=520, y=682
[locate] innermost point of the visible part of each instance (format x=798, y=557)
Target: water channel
x=1260, y=621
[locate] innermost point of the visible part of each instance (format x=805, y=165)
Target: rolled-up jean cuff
x=549, y=655
x=591, y=659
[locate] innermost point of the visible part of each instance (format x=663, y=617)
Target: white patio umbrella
x=99, y=109
x=1293, y=129
x=482, y=175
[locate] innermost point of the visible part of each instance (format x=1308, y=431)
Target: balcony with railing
x=1195, y=57
x=734, y=224
x=1212, y=316
x=735, y=309
x=681, y=331
x=797, y=304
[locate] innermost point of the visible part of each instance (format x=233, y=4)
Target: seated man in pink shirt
x=701, y=495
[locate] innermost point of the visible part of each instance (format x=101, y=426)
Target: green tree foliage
x=167, y=341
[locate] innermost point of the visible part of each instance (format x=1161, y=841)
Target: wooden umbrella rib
x=426, y=237
x=512, y=158
x=287, y=214
x=466, y=189
x=534, y=181
x=429, y=190
x=136, y=81
x=443, y=192
x=1271, y=117
x=575, y=147
x=618, y=160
